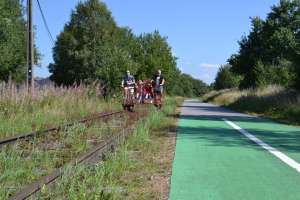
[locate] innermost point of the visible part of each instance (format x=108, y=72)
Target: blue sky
x=202, y=33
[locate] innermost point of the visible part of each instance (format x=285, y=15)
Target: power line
x=45, y=21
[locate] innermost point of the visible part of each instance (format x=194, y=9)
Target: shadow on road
x=283, y=137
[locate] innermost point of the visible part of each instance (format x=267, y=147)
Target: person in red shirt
x=148, y=90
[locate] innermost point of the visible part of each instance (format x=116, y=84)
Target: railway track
x=27, y=136
x=96, y=153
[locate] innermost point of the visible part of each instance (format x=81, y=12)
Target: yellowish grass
x=273, y=101
x=50, y=106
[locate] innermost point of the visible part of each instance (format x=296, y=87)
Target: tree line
x=92, y=47
x=269, y=54
x=12, y=41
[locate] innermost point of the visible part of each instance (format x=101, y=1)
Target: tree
x=91, y=47
x=226, y=78
x=188, y=86
x=270, y=45
x=12, y=41
x=154, y=53
x=251, y=50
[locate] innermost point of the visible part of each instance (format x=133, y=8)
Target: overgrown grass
x=128, y=173
x=273, y=101
x=25, y=162
x=20, y=112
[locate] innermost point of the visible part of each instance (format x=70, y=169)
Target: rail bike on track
x=158, y=96
x=142, y=92
x=128, y=98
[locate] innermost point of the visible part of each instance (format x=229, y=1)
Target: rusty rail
x=26, y=136
x=97, y=153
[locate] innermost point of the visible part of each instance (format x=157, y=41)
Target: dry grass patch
x=49, y=107
x=273, y=101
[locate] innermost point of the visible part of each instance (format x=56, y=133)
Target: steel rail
x=14, y=139
x=97, y=153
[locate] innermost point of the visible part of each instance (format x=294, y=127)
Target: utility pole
x=30, y=49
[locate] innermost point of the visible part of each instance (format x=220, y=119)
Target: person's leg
x=138, y=97
x=154, y=99
x=142, y=97
x=126, y=95
x=159, y=98
x=125, y=92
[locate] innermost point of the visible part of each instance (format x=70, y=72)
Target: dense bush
x=269, y=54
x=188, y=87
x=226, y=78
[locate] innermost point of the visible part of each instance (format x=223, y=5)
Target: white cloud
x=207, y=65
x=204, y=71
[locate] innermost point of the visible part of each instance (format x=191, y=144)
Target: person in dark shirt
x=128, y=80
x=128, y=84
x=158, y=82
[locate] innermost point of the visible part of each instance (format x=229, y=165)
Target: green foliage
x=226, y=78
x=93, y=48
x=90, y=48
x=155, y=53
x=187, y=86
x=270, y=53
x=12, y=41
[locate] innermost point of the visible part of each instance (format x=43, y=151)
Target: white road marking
x=287, y=160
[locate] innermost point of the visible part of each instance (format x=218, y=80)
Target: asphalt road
x=221, y=154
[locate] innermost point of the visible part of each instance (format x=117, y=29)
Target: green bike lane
x=283, y=137
x=214, y=161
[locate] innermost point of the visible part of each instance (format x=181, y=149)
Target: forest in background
x=92, y=48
